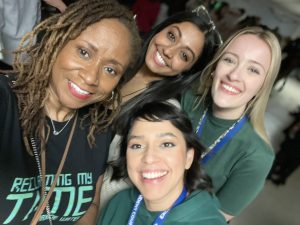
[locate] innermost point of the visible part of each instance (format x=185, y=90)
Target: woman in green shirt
x=227, y=111
x=160, y=153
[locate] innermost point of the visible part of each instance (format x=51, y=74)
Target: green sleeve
x=245, y=181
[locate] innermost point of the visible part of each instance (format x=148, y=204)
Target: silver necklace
x=57, y=132
x=36, y=156
x=220, y=137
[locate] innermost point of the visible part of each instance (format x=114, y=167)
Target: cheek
x=255, y=87
x=107, y=85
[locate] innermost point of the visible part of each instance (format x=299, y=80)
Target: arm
x=90, y=217
x=243, y=184
x=59, y=4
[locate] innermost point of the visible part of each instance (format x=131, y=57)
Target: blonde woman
x=227, y=112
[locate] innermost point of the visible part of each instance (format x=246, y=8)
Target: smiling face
x=157, y=158
x=239, y=75
x=89, y=67
x=174, y=49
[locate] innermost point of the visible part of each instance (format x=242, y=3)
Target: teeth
x=79, y=90
x=153, y=175
x=229, y=88
x=160, y=59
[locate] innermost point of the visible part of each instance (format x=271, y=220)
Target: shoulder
x=255, y=144
x=116, y=213
x=188, y=99
x=5, y=81
x=127, y=196
x=6, y=93
x=200, y=207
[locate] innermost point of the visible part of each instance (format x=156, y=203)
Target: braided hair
x=34, y=70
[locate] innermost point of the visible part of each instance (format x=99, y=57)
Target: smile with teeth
x=230, y=88
x=78, y=89
x=159, y=59
x=154, y=175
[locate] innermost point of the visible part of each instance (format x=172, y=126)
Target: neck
x=148, y=75
x=227, y=114
x=165, y=202
x=55, y=110
x=138, y=83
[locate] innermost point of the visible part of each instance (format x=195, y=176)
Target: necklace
x=134, y=92
x=57, y=132
x=228, y=133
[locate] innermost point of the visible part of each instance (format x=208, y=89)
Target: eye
x=135, y=146
x=110, y=70
x=254, y=70
x=229, y=60
x=167, y=144
x=171, y=36
x=83, y=53
x=184, y=56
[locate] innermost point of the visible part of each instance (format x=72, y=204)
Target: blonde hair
x=257, y=106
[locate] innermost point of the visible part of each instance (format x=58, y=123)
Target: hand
x=59, y=4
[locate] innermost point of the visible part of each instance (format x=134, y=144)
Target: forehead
x=105, y=36
x=250, y=47
x=108, y=31
x=147, y=128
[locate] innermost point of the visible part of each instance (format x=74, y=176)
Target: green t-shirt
x=239, y=169
x=198, y=208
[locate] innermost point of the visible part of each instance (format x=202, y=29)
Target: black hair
x=195, y=178
x=173, y=86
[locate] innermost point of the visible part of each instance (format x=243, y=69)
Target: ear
x=189, y=158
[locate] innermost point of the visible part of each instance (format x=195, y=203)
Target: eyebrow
x=95, y=49
x=160, y=135
x=180, y=35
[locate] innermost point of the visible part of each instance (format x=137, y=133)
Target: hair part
x=195, y=177
x=34, y=73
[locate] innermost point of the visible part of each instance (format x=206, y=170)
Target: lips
x=78, y=92
x=151, y=175
x=230, y=89
x=159, y=59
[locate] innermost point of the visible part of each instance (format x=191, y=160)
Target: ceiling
x=281, y=14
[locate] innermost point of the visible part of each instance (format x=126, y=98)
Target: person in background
x=17, y=17
x=160, y=154
x=56, y=107
x=172, y=56
x=146, y=12
x=227, y=111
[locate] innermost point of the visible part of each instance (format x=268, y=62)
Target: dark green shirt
x=239, y=169
x=199, y=208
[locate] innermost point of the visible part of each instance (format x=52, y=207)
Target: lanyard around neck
x=162, y=216
x=223, y=139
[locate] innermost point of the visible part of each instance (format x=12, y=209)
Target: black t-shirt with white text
x=19, y=176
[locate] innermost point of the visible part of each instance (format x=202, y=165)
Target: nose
x=150, y=156
x=90, y=74
x=169, y=51
x=235, y=74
